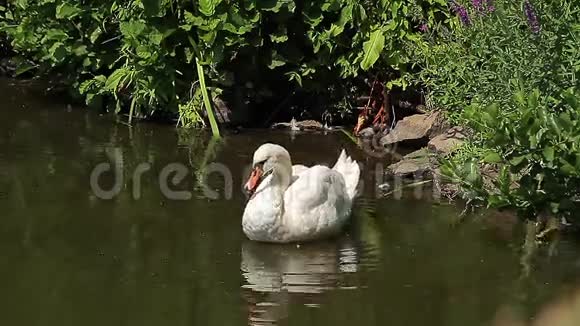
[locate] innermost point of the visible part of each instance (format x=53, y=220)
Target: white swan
x=296, y=203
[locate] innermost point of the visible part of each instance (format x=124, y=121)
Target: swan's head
x=271, y=163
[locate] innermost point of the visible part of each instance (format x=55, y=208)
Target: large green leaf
x=331, y=5
x=207, y=7
x=58, y=51
x=86, y=85
x=571, y=99
x=517, y=160
x=67, y=11
x=472, y=174
x=566, y=167
x=277, y=61
x=275, y=5
x=116, y=79
x=372, y=49
x=313, y=16
x=492, y=157
x=24, y=67
x=549, y=153
x=95, y=34
x=279, y=36
x=237, y=23
x=55, y=35
x=132, y=29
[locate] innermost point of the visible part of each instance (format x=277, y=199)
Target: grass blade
x=206, y=101
x=133, y=102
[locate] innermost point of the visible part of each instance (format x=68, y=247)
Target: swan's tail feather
x=350, y=171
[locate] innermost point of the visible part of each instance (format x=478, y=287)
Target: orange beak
x=254, y=181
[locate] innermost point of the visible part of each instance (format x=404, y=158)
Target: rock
x=366, y=133
x=459, y=132
x=447, y=142
x=443, y=144
x=418, y=129
x=413, y=164
x=7, y=67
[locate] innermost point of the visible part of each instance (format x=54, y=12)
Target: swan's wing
x=350, y=171
x=316, y=202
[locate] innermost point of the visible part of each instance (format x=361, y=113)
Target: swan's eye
x=260, y=164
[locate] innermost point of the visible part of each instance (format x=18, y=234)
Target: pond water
x=69, y=257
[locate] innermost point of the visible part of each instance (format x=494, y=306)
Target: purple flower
x=478, y=5
x=489, y=5
x=463, y=15
x=461, y=12
x=424, y=28
x=483, y=6
x=531, y=17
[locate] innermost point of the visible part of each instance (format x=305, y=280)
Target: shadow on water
x=68, y=257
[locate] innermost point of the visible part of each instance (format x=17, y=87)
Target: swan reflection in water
x=277, y=275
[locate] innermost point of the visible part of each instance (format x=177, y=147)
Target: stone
x=366, y=133
x=7, y=67
x=418, y=129
x=448, y=141
x=443, y=144
x=413, y=164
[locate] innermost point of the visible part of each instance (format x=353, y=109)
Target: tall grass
x=206, y=100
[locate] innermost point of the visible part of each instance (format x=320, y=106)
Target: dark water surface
x=68, y=257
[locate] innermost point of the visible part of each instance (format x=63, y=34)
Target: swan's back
x=317, y=204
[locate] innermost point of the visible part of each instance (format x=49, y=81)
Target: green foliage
x=190, y=113
x=4, y=45
x=142, y=54
x=487, y=61
x=532, y=151
x=524, y=153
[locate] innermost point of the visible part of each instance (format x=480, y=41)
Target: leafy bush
x=525, y=151
x=142, y=53
x=535, y=44
x=533, y=154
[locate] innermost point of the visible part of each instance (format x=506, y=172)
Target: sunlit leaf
x=67, y=11
x=114, y=81
x=549, y=153
x=207, y=7
x=132, y=29
x=24, y=67
x=566, y=167
x=492, y=157
x=279, y=36
x=95, y=34
x=472, y=172
x=517, y=160
x=372, y=49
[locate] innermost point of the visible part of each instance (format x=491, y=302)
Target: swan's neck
x=272, y=194
x=263, y=216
